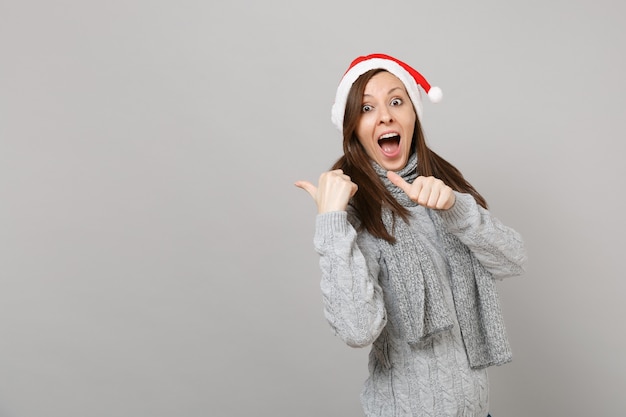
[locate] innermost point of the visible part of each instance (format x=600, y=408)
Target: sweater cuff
x=460, y=212
x=332, y=224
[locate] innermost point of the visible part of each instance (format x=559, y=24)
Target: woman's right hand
x=333, y=192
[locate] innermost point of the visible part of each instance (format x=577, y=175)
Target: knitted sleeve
x=499, y=248
x=352, y=297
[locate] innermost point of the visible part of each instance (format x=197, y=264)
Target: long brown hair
x=372, y=194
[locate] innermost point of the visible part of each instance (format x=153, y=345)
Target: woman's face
x=385, y=128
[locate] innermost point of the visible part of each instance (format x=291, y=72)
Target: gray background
x=156, y=259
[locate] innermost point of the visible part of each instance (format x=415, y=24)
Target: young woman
x=409, y=252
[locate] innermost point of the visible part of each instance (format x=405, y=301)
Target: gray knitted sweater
x=434, y=378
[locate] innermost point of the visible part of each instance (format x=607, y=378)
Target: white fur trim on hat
x=392, y=65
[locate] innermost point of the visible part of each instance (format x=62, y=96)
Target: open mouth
x=389, y=143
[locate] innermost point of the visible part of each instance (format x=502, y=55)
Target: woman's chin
x=393, y=165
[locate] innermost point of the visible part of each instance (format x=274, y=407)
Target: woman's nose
x=385, y=115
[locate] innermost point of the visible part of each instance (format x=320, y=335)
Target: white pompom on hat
x=409, y=77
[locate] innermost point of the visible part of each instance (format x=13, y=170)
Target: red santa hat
x=409, y=77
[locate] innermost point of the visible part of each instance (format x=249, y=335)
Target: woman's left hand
x=429, y=192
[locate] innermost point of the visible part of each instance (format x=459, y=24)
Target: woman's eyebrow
x=393, y=89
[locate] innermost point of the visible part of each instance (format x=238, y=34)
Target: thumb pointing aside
x=308, y=187
x=429, y=191
x=398, y=181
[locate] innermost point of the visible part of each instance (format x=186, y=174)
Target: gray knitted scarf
x=418, y=290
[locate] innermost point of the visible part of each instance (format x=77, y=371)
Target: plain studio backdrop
x=157, y=260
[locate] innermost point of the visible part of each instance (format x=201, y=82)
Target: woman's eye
x=396, y=102
x=366, y=108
